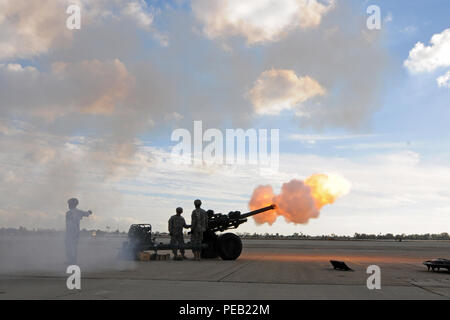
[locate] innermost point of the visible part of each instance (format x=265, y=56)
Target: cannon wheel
x=229, y=246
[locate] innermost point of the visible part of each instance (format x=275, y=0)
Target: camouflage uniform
x=199, y=223
x=73, y=217
x=176, y=225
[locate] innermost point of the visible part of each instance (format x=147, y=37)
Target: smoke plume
x=299, y=201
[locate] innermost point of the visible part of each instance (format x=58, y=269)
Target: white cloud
x=444, y=81
x=18, y=68
x=424, y=58
x=139, y=11
x=258, y=20
x=278, y=90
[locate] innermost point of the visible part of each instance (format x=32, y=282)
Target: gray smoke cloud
x=26, y=254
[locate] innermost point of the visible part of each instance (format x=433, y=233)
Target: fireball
x=327, y=188
x=299, y=201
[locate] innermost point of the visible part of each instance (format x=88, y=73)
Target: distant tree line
x=356, y=236
x=268, y=236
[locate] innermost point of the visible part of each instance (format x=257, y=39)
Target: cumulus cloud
x=424, y=58
x=27, y=28
x=278, y=90
x=31, y=28
x=444, y=81
x=258, y=20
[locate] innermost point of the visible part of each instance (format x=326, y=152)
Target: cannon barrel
x=255, y=212
x=221, y=222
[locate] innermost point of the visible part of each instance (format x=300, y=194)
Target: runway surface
x=33, y=268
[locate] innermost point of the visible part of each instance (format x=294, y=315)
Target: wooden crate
x=160, y=257
x=144, y=256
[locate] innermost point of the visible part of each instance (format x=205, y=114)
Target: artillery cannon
x=228, y=246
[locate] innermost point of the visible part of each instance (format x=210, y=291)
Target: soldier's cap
x=179, y=210
x=197, y=202
x=72, y=202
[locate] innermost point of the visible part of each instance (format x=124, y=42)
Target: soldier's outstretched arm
x=85, y=213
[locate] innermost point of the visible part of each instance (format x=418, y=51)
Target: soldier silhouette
x=73, y=217
x=176, y=225
x=199, y=223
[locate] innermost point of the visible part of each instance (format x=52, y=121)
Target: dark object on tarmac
x=228, y=246
x=437, y=264
x=340, y=265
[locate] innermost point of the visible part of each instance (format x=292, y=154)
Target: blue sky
x=90, y=112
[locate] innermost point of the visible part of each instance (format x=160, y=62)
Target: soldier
x=73, y=217
x=199, y=223
x=176, y=225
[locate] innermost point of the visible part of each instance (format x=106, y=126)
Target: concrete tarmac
x=267, y=269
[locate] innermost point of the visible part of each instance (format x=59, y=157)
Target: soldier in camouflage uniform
x=176, y=225
x=199, y=223
x=73, y=217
